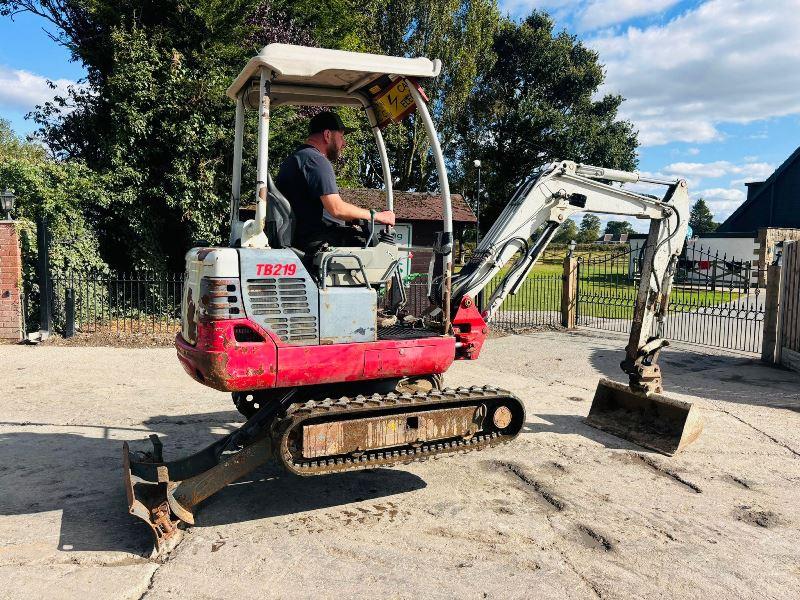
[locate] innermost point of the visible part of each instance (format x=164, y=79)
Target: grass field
x=605, y=288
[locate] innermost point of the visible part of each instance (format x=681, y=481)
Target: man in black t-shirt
x=307, y=180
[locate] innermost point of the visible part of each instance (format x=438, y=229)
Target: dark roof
x=730, y=224
x=410, y=206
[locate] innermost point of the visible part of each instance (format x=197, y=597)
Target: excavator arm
x=637, y=411
x=527, y=225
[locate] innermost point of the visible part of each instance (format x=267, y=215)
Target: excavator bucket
x=653, y=421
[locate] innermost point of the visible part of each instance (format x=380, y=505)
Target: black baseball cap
x=327, y=120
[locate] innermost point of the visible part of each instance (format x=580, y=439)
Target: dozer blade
x=148, y=501
x=164, y=495
x=653, y=421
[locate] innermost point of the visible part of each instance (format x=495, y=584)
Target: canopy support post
x=253, y=234
x=236, y=178
x=444, y=188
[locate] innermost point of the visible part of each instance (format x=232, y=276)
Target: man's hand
x=339, y=209
x=385, y=217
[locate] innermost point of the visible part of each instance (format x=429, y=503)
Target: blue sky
x=712, y=86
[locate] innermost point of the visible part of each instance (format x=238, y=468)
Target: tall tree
x=701, y=220
x=67, y=193
x=590, y=229
x=459, y=33
x=153, y=112
x=537, y=103
x=618, y=228
x=567, y=232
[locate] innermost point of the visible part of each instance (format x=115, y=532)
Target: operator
x=307, y=180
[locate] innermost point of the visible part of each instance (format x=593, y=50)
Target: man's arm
x=345, y=211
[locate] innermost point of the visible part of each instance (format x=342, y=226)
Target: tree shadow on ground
x=715, y=377
x=79, y=472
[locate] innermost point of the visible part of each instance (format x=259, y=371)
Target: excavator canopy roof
x=334, y=69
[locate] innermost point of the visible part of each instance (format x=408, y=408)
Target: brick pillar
x=10, y=282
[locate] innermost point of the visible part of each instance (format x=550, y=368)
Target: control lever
x=371, y=229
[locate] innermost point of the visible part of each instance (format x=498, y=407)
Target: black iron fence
x=536, y=303
x=137, y=302
x=715, y=300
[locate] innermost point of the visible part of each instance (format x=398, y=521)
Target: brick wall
x=10, y=279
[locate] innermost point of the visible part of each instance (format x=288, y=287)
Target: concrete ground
x=565, y=511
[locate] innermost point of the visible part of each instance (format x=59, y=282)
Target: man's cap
x=327, y=120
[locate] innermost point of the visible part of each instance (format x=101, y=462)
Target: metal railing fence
x=715, y=300
x=136, y=302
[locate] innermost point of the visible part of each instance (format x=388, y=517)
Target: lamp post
x=7, y=202
x=477, y=164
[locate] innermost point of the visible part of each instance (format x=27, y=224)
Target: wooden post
x=772, y=315
x=569, y=293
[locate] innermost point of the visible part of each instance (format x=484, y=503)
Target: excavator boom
x=526, y=227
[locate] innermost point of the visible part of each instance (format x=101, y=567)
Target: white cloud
x=725, y=61
x=601, y=13
x=722, y=194
x=721, y=201
x=696, y=171
x=693, y=151
x=23, y=90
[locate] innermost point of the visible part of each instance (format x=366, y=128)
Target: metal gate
x=715, y=300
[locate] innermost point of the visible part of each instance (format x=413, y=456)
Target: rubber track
x=346, y=408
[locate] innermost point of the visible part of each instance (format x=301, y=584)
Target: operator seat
x=280, y=217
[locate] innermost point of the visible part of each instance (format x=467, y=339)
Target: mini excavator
x=327, y=385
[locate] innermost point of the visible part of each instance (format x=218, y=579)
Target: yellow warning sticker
x=395, y=103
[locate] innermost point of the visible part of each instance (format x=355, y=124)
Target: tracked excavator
x=326, y=383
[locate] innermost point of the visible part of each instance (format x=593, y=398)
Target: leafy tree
x=68, y=194
x=567, y=232
x=153, y=115
x=618, y=228
x=153, y=128
x=590, y=229
x=460, y=34
x=701, y=220
x=537, y=103
x=12, y=147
